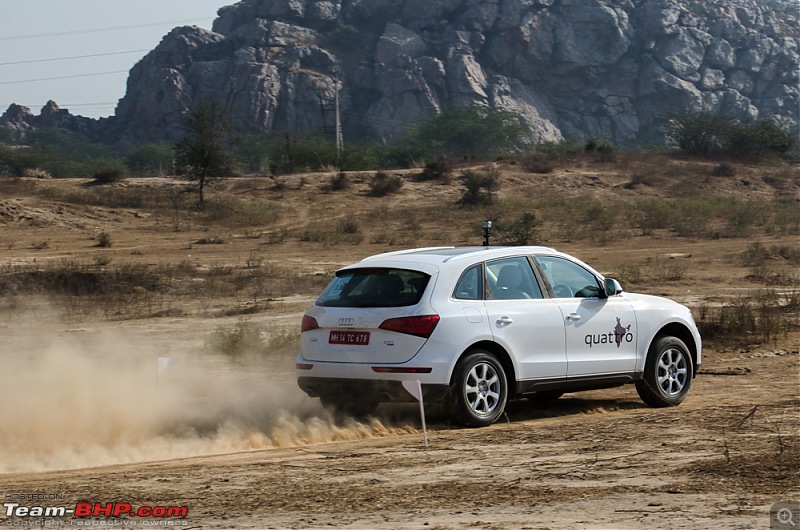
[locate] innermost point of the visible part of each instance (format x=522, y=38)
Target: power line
x=98, y=30
x=62, y=77
x=73, y=57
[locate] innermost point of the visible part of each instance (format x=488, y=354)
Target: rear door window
x=511, y=279
x=374, y=287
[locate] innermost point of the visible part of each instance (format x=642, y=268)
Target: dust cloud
x=83, y=398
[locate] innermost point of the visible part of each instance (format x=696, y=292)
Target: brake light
x=308, y=323
x=304, y=366
x=421, y=326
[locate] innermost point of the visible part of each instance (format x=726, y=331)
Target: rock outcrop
x=614, y=69
x=21, y=120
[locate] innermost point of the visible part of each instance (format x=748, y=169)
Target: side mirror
x=612, y=287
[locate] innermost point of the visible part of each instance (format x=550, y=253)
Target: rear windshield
x=374, y=287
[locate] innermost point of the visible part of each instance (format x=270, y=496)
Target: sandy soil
x=88, y=417
x=594, y=460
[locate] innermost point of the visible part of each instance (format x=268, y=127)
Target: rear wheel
x=667, y=373
x=352, y=408
x=480, y=389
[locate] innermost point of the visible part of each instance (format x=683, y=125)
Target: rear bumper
x=367, y=389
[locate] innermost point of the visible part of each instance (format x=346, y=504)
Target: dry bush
x=536, y=163
x=338, y=182
x=236, y=341
x=652, y=271
x=108, y=176
x=345, y=231
x=210, y=240
x=383, y=184
x=436, y=170
x=757, y=319
x=104, y=240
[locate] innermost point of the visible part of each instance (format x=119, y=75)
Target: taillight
x=308, y=323
x=419, y=326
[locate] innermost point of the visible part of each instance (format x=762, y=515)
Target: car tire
x=479, y=390
x=545, y=397
x=348, y=408
x=668, y=373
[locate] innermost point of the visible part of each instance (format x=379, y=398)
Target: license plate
x=358, y=338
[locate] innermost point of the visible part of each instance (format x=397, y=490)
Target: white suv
x=480, y=326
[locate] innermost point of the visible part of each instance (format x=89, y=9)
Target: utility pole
x=339, y=138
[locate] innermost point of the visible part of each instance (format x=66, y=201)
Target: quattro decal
x=618, y=335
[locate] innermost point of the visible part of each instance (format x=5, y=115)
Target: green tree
x=14, y=161
x=65, y=154
x=705, y=134
x=758, y=140
x=150, y=159
x=700, y=134
x=204, y=154
x=472, y=132
x=255, y=149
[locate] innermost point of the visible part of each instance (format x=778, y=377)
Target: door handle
x=574, y=317
x=505, y=320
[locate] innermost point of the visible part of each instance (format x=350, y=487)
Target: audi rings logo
x=347, y=322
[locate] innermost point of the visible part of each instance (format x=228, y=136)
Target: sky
x=87, y=45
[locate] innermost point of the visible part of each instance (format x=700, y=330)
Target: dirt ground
x=91, y=416
x=593, y=460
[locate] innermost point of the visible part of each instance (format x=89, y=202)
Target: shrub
x=438, y=169
x=104, y=240
x=561, y=149
x=211, y=240
x=537, y=163
x=383, y=184
x=744, y=321
x=522, y=231
x=349, y=226
x=236, y=341
x=479, y=187
x=604, y=150
x=108, y=176
x=724, y=170
x=102, y=261
x=700, y=134
x=339, y=182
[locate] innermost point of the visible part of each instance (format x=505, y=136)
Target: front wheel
x=479, y=389
x=667, y=373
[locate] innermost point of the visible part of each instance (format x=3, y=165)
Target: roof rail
x=406, y=251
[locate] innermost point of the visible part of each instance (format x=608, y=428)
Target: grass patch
x=231, y=211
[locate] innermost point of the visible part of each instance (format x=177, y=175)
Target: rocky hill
x=613, y=69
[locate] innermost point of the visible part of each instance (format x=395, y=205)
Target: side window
x=470, y=286
x=568, y=279
x=511, y=279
